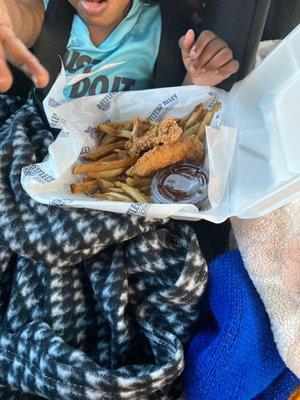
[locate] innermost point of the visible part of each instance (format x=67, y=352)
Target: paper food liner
x=49, y=182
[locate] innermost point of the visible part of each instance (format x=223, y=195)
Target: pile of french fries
x=195, y=123
x=104, y=168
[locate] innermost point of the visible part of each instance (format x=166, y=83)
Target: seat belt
x=52, y=43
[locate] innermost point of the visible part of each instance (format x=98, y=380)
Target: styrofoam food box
x=253, y=149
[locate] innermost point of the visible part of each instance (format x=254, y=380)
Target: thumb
x=186, y=42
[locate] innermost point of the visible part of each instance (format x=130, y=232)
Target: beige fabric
x=265, y=48
x=270, y=247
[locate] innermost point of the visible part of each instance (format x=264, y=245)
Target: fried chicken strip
x=168, y=131
x=185, y=149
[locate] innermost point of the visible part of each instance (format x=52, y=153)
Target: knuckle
x=23, y=58
x=6, y=34
x=208, y=34
x=228, y=52
x=3, y=35
x=236, y=65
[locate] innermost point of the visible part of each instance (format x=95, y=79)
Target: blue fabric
x=281, y=388
x=233, y=355
x=124, y=61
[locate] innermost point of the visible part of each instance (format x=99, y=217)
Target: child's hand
x=208, y=60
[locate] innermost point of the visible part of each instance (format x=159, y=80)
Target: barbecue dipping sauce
x=180, y=183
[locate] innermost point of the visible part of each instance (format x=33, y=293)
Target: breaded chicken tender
x=188, y=148
x=168, y=131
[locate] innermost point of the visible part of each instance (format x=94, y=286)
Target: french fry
x=83, y=187
x=104, y=184
x=112, y=197
x=195, y=117
x=120, y=196
x=106, y=174
x=112, y=131
x=121, y=153
x=113, y=139
x=104, y=166
x=193, y=129
x=86, y=179
x=114, y=189
x=103, y=150
x=206, y=122
x=101, y=137
x=105, y=138
x=111, y=179
x=184, y=120
x=102, y=196
x=216, y=106
x=138, y=181
x=120, y=123
x=110, y=157
x=133, y=192
x=78, y=167
x=128, y=126
x=108, y=128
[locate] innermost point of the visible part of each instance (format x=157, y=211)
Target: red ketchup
x=180, y=183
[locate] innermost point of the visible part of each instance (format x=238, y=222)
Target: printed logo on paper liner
x=60, y=202
x=108, y=100
x=162, y=109
x=138, y=209
x=85, y=150
x=53, y=102
x=92, y=131
x=38, y=174
x=63, y=134
x=56, y=121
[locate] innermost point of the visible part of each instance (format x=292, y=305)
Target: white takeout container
x=253, y=150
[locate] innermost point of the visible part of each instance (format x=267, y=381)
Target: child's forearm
x=27, y=18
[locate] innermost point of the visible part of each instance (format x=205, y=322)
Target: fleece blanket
x=270, y=247
x=92, y=305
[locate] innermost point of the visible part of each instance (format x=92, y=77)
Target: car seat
x=241, y=23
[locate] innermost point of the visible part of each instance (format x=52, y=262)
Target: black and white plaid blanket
x=92, y=305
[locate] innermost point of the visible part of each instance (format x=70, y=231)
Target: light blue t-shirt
x=129, y=54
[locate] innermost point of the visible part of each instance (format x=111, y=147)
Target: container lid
x=265, y=109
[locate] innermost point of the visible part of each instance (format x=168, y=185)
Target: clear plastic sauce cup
x=180, y=183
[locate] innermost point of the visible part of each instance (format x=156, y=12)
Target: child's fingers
x=6, y=78
x=229, y=69
x=203, y=40
x=221, y=58
x=211, y=49
x=22, y=58
x=186, y=42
